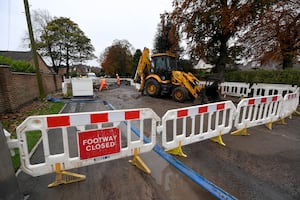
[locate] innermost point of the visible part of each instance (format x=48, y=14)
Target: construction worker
x=103, y=84
x=118, y=80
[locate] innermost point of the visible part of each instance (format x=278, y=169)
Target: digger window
x=172, y=65
x=160, y=65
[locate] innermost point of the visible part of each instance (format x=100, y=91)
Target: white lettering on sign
x=100, y=146
x=101, y=142
x=92, y=141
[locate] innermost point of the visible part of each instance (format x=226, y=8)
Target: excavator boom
x=144, y=66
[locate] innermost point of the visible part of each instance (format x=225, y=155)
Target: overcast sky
x=101, y=21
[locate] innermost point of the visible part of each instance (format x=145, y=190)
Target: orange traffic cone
x=103, y=85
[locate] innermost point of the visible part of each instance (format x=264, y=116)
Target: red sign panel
x=96, y=143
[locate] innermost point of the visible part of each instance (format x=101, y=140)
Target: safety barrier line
x=257, y=111
x=88, y=141
x=236, y=89
x=263, y=89
x=290, y=104
x=218, y=117
x=196, y=123
x=240, y=89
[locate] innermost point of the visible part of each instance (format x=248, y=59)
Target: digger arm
x=188, y=81
x=144, y=66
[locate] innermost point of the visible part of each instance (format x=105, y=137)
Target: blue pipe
x=194, y=176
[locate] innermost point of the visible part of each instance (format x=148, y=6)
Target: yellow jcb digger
x=164, y=78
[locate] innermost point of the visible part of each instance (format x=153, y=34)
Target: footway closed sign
x=95, y=143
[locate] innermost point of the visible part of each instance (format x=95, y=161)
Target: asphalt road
x=263, y=165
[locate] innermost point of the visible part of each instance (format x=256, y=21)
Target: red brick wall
x=17, y=89
x=42, y=66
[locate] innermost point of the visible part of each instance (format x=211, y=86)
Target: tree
x=65, y=43
x=276, y=35
x=167, y=37
x=210, y=25
x=136, y=57
x=117, y=59
x=40, y=19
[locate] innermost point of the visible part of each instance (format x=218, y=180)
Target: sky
x=101, y=21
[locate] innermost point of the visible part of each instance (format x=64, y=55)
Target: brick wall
x=17, y=89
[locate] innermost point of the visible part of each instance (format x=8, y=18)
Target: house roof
x=21, y=55
x=202, y=65
x=17, y=55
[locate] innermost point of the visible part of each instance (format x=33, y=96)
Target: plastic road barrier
x=85, y=138
x=261, y=89
x=196, y=123
x=236, y=89
x=203, y=84
x=82, y=87
x=190, y=173
x=290, y=104
x=257, y=111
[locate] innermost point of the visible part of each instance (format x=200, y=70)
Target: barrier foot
x=281, y=121
x=218, y=139
x=269, y=125
x=64, y=177
x=139, y=163
x=242, y=131
x=296, y=113
x=177, y=151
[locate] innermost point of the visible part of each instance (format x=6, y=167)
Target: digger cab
x=163, y=65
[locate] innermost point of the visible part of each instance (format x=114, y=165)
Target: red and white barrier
x=193, y=124
x=257, y=111
x=85, y=138
x=290, y=104
x=95, y=137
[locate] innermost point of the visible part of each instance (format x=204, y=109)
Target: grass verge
x=11, y=121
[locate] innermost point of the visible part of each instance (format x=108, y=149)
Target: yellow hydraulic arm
x=143, y=68
x=144, y=65
x=188, y=81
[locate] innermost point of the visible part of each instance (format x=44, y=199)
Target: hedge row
x=17, y=66
x=289, y=76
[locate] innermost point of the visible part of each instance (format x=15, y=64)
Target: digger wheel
x=152, y=88
x=179, y=94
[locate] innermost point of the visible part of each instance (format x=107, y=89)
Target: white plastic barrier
x=261, y=89
x=193, y=124
x=235, y=89
x=85, y=138
x=82, y=87
x=257, y=111
x=290, y=104
x=203, y=84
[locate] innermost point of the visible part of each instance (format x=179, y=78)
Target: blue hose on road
x=197, y=178
x=193, y=175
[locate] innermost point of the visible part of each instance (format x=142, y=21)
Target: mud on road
x=263, y=165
